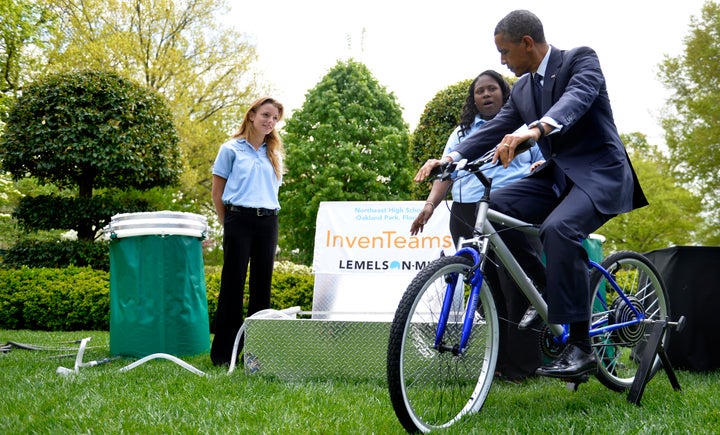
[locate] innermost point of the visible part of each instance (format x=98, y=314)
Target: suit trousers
x=252, y=239
x=566, y=216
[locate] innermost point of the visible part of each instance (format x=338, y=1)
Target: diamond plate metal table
x=302, y=349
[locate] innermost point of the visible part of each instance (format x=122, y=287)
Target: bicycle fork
x=476, y=278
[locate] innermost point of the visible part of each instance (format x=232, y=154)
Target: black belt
x=253, y=211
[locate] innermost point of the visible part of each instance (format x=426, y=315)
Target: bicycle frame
x=444, y=341
x=489, y=239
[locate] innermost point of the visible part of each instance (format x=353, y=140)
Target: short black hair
x=519, y=23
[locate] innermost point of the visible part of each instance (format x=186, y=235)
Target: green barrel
x=593, y=246
x=158, y=302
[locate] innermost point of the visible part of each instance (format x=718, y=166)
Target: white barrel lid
x=157, y=223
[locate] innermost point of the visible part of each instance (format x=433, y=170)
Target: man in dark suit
x=586, y=180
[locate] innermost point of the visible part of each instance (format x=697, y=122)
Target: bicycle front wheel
x=618, y=352
x=432, y=388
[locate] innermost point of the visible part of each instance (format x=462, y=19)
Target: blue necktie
x=537, y=93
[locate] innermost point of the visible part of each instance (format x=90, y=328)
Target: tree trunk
x=85, y=231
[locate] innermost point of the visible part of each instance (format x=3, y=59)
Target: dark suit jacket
x=588, y=149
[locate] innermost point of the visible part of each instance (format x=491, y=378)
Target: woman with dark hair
x=486, y=96
x=519, y=352
x=247, y=175
x=471, y=108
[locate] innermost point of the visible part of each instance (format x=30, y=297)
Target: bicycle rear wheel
x=431, y=388
x=618, y=352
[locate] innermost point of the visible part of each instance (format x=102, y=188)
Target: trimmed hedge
x=68, y=299
x=54, y=212
x=78, y=298
x=58, y=254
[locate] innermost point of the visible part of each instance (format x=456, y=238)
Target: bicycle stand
x=654, y=347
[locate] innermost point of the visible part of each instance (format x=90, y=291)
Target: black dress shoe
x=572, y=362
x=530, y=317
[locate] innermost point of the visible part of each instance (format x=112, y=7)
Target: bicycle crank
x=549, y=345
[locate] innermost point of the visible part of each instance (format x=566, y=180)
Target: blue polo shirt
x=251, y=180
x=467, y=188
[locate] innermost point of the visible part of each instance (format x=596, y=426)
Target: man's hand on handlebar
x=511, y=145
x=514, y=144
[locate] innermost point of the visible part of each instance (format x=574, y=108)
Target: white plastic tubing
x=287, y=313
x=166, y=356
x=81, y=351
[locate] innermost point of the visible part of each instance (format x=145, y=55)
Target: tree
x=23, y=31
x=348, y=142
x=673, y=216
x=25, y=27
x=691, y=120
x=8, y=197
x=438, y=120
x=179, y=49
x=89, y=130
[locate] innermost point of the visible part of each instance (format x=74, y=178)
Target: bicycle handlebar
x=446, y=169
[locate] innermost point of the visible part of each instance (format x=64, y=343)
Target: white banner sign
x=365, y=257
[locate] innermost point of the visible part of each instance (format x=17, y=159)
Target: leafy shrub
x=212, y=288
x=49, y=212
x=78, y=298
x=289, y=290
x=67, y=299
x=58, y=254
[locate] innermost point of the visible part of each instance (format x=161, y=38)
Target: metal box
x=302, y=349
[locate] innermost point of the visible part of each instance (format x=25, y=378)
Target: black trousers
x=247, y=239
x=520, y=353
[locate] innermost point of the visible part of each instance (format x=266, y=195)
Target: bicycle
x=444, y=338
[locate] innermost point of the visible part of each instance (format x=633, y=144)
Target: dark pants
x=566, y=216
x=462, y=220
x=247, y=238
x=520, y=353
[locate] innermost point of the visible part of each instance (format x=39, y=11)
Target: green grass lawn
x=161, y=397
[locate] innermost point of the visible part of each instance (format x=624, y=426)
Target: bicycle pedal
x=573, y=383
